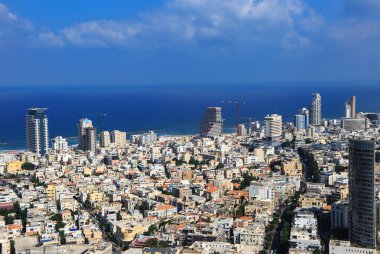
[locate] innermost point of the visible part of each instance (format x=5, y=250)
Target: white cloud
x=12, y=27
x=182, y=23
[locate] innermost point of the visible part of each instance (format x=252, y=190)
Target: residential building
x=82, y=125
x=37, y=131
x=119, y=138
x=316, y=110
x=105, y=139
x=60, y=143
x=273, y=126
x=241, y=130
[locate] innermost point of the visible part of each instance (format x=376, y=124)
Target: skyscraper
x=212, y=123
x=300, y=122
x=316, y=110
x=82, y=125
x=105, y=139
x=273, y=126
x=37, y=131
x=351, y=107
x=362, y=220
x=90, y=139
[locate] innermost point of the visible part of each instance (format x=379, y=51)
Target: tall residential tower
x=37, y=131
x=362, y=220
x=82, y=125
x=316, y=110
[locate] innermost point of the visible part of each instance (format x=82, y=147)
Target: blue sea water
x=172, y=109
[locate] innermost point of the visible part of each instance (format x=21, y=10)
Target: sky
x=132, y=42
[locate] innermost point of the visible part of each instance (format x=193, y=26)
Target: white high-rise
x=37, y=131
x=105, y=139
x=273, y=126
x=316, y=110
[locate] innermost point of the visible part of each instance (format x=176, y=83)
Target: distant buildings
x=144, y=139
x=351, y=108
x=316, y=110
x=82, y=125
x=105, y=139
x=212, y=123
x=273, y=126
x=37, y=131
x=354, y=124
x=241, y=130
x=60, y=143
x=301, y=120
x=119, y=138
x=362, y=220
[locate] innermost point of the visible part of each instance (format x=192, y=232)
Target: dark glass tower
x=362, y=193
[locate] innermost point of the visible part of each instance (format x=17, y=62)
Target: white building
x=119, y=138
x=304, y=232
x=105, y=139
x=60, y=143
x=273, y=126
x=344, y=247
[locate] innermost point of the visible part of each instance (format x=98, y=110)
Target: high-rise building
x=37, y=131
x=82, y=125
x=90, y=139
x=119, y=138
x=105, y=139
x=241, y=130
x=300, y=122
x=316, y=110
x=60, y=143
x=351, y=107
x=212, y=123
x=273, y=126
x=362, y=220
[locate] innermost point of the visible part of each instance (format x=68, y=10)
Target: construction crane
x=237, y=103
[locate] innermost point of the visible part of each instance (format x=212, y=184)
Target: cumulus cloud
x=12, y=28
x=192, y=22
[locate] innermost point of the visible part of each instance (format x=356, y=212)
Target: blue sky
x=113, y=42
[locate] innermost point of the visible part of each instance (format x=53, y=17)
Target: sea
x=169, y=109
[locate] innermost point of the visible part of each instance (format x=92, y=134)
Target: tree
x=220, y=166
x=193, y=161
x=12, y=247
x=163, y=244
x=287, y=143
x=151, y=230
x=28, y=166
x=152, y=243
x=144, y=206
x=62, y=237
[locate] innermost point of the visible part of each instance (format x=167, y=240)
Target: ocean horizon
x=169, y=109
